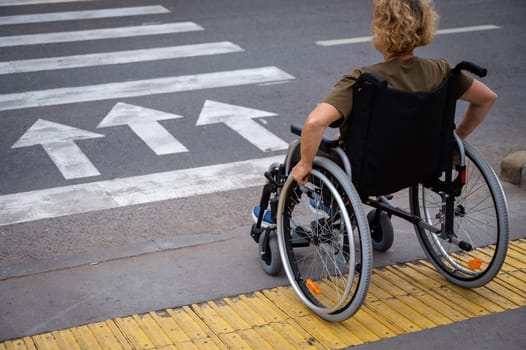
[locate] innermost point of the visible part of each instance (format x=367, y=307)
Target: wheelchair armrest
x=295, y=129
x=330, y=143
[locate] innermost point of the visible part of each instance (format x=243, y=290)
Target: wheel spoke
x=480, y=220
x=323, y=273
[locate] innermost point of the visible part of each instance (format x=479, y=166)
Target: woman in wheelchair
x=314, y=222
x=398, y=28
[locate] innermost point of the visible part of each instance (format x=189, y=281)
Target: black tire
x=331, y=274
x=382, y=231
x=481, y=219
x=269, y=258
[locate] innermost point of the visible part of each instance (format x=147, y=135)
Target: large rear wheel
x=480, y=219
x=324, y=241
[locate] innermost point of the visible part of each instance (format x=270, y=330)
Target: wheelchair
x=397, y=140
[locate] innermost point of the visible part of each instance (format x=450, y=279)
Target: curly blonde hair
x=398, y=26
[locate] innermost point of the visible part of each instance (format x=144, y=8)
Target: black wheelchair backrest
x=396, y=138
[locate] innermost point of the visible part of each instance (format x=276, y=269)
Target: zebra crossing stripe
x=120, y=192
x=97, y=34
x=154, y=86
x=34, y=2
x=118, y=57
x=82, y=15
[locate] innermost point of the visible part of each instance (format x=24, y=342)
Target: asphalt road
x=274, y=34
x=278, y=38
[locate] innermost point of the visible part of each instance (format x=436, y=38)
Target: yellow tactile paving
x=402, y=298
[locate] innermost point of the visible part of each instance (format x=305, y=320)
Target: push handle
x=471, y=67
x=374, y=79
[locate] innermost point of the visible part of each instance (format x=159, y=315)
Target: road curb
x=513, y=168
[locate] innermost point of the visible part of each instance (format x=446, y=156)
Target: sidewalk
x=403, y=299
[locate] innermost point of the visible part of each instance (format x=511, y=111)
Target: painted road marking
x=240, y=119
x=34, y=2
x=82, y=15
x=98, y=34
x=120, y=192
x=366, y=39
x=144, y=122
x=58, y=141
x=118, y=57
x=154, y=86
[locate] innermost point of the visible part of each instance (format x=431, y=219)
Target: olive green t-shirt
x=413, y=74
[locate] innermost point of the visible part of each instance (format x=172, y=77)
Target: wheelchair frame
x=346, y=240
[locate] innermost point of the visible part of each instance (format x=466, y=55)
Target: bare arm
x=313, y=129
x=481, y=99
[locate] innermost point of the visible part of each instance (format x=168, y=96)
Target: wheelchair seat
x=397, y=139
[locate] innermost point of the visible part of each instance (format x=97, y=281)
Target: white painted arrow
x=58, y=141
x=240, y=119
x=144, y=122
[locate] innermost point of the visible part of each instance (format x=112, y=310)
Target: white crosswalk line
x=120, y=192
x=82, y=15
x=118, y=57
x=35, y=2
x=141, y=87
x=98, y=34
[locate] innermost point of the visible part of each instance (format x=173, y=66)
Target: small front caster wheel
x=382, y=232
x=269, y=258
